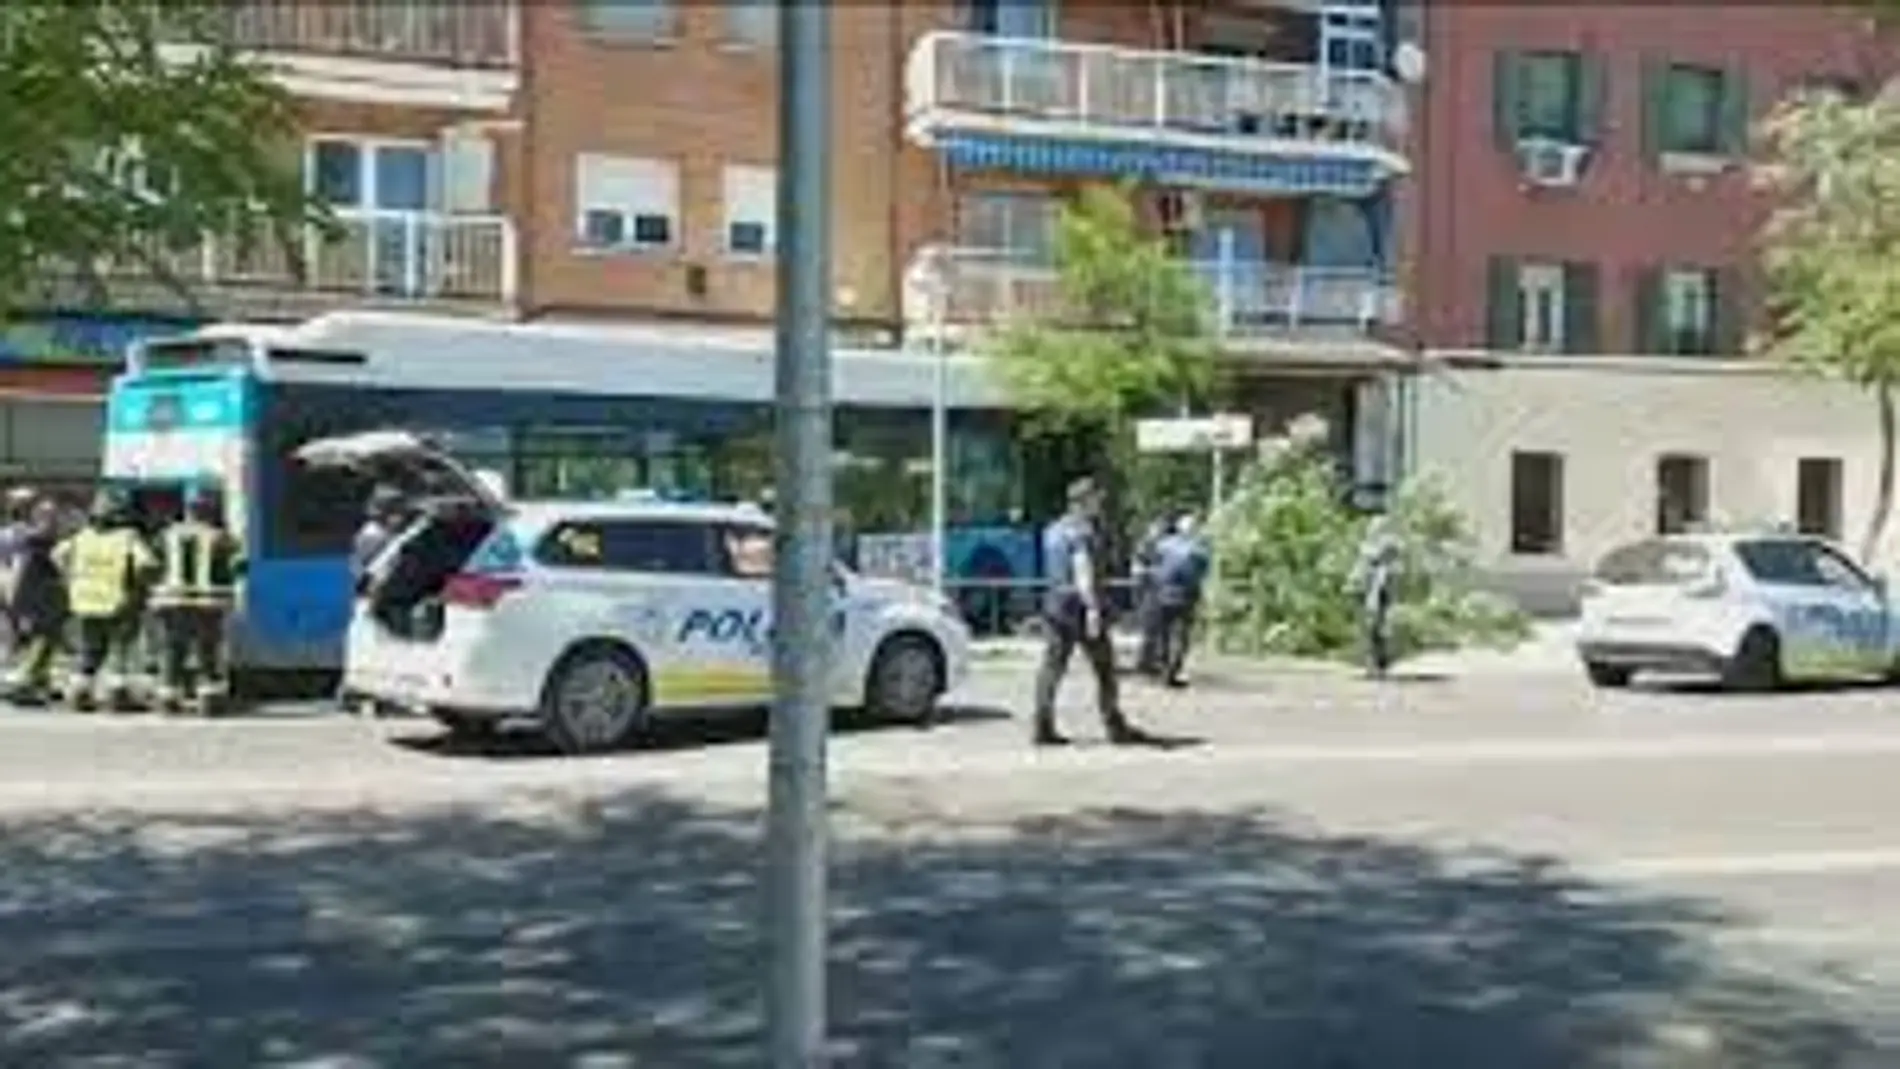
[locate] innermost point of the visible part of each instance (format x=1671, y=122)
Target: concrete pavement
x=1495, y=869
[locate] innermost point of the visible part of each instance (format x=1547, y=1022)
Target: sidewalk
x=1549, y=649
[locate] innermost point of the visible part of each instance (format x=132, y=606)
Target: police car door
x=724, y=638
x=1861, y=639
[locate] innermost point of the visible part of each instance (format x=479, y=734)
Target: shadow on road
x=1117, y=938
x=680, y=733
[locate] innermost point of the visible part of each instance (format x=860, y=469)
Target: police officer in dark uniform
x=200, y=563
x=387, y=513
x=1181, y=566
x=1075, y=613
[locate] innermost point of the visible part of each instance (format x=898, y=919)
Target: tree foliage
x=1286, y=544
x=1831, y=250
x=119, y=151
x=1129, y=333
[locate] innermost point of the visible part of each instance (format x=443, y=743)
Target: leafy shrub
x=1286, y=541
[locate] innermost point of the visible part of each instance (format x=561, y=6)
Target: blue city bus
x=554, y=410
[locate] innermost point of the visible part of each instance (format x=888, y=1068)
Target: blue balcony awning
x=1165, y=165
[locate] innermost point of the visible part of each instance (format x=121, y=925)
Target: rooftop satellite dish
x=1408, y=63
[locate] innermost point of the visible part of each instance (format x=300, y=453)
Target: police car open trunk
x=427, y=564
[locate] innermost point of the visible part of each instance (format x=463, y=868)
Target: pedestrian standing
x=1147, y=610
x=38, y=607
x=1375, y=574
x=1075, y=613
x=19, y=506
x=200, y=565
x=1182, y=563
x=105, y=565
x=387, y=513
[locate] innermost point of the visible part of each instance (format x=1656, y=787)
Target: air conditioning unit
x=1544, y=162
x=1180, y=211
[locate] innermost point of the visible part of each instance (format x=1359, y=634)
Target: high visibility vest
x=199, y=566
x=99, y=570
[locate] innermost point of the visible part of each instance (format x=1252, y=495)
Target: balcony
x=388, y=258
x=420, y=53
x=1251, y=301
x=1176, y=118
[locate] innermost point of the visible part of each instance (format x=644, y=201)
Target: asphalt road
x=1501, y=868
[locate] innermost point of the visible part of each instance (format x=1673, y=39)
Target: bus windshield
x=191, y=353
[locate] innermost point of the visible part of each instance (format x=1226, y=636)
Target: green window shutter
x=1646, y=302
x=1590, y=99
x=1504, y=327
x=1731, y=312
x=1581, y=330
x=1655, y=106
x=1736, y=112
x=1507, y=92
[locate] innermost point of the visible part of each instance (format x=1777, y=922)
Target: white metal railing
x=984, y=285
x=479, y=34
x=395, y=255
x=1185, y=92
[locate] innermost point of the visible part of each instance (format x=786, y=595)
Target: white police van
x=1752, y=609
x=594, y=617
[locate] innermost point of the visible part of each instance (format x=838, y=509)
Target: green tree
x=1831, y=253
x=119, y=153
x=1129, y=335
x=1286, y=543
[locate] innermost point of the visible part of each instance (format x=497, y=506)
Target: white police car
x=1751, y=609
x=594, y=617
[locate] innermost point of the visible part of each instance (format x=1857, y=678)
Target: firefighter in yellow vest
x=105, y=564
x=200, y=566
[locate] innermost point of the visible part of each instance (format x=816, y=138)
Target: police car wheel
x=595, y=700
x=906, y=680
x=1756, y=665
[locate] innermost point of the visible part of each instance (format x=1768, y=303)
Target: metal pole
x=939, y=453
x=801, y=578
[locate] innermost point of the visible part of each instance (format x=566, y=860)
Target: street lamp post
x=935, y=289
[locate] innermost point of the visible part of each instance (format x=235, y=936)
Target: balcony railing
x=387, y=255
x=1248, y=299
x=1181, y=92
x=477, y=34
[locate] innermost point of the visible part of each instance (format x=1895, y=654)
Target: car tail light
x=478, y=590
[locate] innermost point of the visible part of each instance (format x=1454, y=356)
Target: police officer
x=1375, y=574
x=1075, y=613
x=106, y=564
x=1148, y=655
x=38, y=607
x=387, y=513
x=1181, y=566
x=200, y=563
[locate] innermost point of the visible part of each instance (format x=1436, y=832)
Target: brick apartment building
x=1584, y=218
x=1566, y=182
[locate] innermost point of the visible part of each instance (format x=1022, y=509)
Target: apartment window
x=370, y=173
x=1537, y=503
x=1553, y=95
x=751, y=210
x=1540, y=302
x=1021, y=224
x=1694, y=111
x=1682, y=493
x=1011, y=18
x=1689, y=312
x=1818, y=496
x=626, y=202
x=634, y=20
x=752, y=22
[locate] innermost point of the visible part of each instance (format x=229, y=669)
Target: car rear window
x=1656, y=561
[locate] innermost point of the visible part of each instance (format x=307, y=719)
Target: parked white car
x=1755, y=610
x=595, y=617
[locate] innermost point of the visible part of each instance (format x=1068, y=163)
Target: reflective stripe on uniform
x=192, y=566
x=100, y=565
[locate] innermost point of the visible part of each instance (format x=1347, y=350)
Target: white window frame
x=1017, y=213
x=750, y=197
x=1540, y=302
x=631, y=188
x=1689, y=304
x=367, y=145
